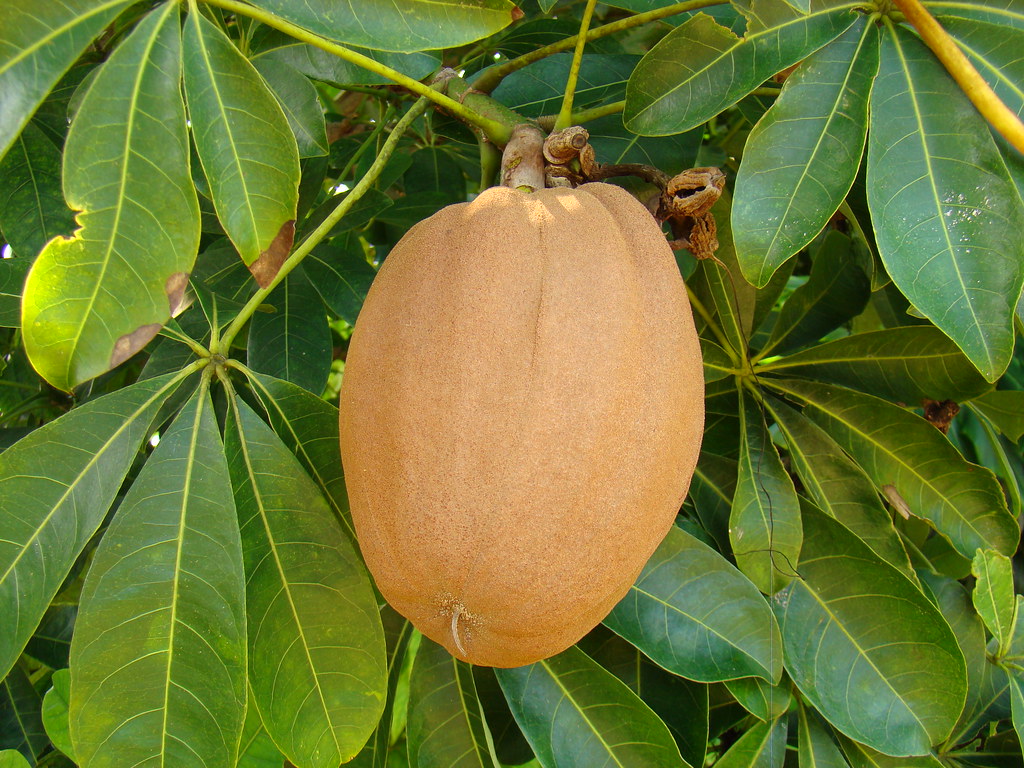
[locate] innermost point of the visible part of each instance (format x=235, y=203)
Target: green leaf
x=763, y=746
x=38, y=43
x=1008, y=13
x=992, y=48
x=12, y=278
x=247, y=150
x=993, y=595
x=45, y=522
x=93, y=301
x=301, y=105
x=906, y=365
x=717, y=364
x=55, y=712
x=574, y=713
x=341, y=275
x=403, y=26
x=159, y=645
x=32, y=207
x=711, y=490
x=700, y=68
x=693, y=613
x=836, y=291
x=293, y=341
x=1005, y=409
x=814, y=746
x=838, y=486
x=12, y=758
x=257, y=749
x=320, y=65
x=801, y=158
x=446, y=726
x=21, y=721
x=537, y=88
x=316, y=646
x=860, y=756
x=764, y=524
x=614, y=144
x=763, y=700
x=866, y=648
x=945, y=212
x=899, y=449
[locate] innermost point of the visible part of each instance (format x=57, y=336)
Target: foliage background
x=179, y=581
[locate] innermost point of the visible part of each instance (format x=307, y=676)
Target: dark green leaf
x=836, y=291
x=612, y=143
x=316, y=646
x=1003, y=12
x=866, y=648
x=901, y=450
x=404, y=25
x=905, y=365
x=247, y=150
x=365, y=209
x=159, y=646
x=994, y=51
x=763, y=746
x=861, y=756
x=700, y=68
x=694, y=614
x=993, y=595
x=341, y=275
x=1005, y=409
x=763, y=700
x=32, y=207
x=537, y=89
x=801, y=158
x=21, y=720
x=576, y=714
x=764, y=524
x=945, y=213
x=293, y=341
x=257, y=749
x=717, y=364
x=711, y=490
x=38, y=43
x=320, y=65
x=94, y=300
x=838, y=486
x=12, y=278
x=51, y=642
x=55, y=711
x=445, y=727
x=301, y=105
x=46, y=521
x=815, y=746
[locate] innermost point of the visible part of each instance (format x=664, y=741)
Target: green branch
x=318, y=234
x=495, y=131
x=490, y=78
x=565, y=114
x=547, y=122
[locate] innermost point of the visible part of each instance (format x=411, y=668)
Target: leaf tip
x=266, y=267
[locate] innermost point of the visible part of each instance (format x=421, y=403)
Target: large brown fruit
x=521, y=413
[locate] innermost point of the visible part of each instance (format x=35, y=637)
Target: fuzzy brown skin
x=521, y=413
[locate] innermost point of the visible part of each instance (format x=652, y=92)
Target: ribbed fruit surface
x=521, y=413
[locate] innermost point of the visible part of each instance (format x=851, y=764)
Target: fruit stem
x=522, y=163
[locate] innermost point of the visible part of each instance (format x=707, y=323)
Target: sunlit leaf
x=899, y=449
x=801, y=158
x=764, y=525
x=21, y=721
x=404, y=25
x=905, y=365
x=446, y=726
x=945, y=213
x=55, y=712
x=159, y=646
x=94, y=300
x=45, y=522
x=12, y=758
x=316, y=646
x=693, y=613
x=574, y=713
x=866, y=648
x=762, y=746
x=700, y=68
x=1005, y=409
x=247, y=150
x=256, y=749
x=38, y=43
x=993, y=595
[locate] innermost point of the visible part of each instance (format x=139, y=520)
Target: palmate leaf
x=693, y=613
x=896, y=448
x=316, y=646
x=945, y=213
x=866, y=648
x=801, y=158
x=159, y=645
x=38, y=43
x=96, y=299
x=46, y=521
x=764, y=524
x=21, y=721
x=905, y=365
x=247, y=150
x=445, y=728
x=700, y=68
x=575, y=714
x=403, y=25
